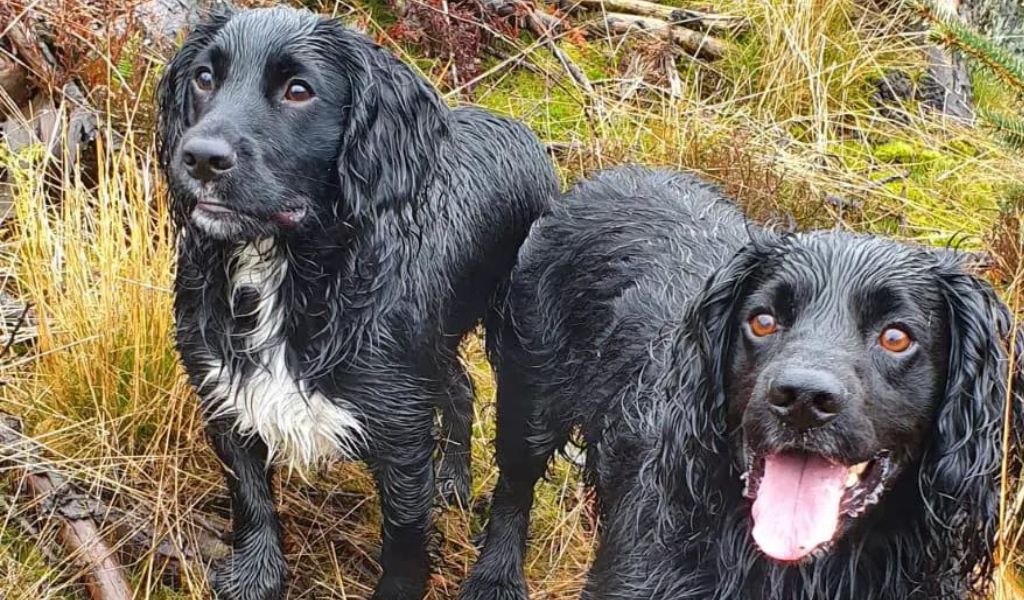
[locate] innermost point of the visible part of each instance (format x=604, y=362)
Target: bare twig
x=698, y=44
x=545, y=27
x=81, y=537
x=545, y=30
x=563, y=148
x=78, y=532
x=83, y=518
x=691, y=19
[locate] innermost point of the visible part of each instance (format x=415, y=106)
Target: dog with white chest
x=340, y=231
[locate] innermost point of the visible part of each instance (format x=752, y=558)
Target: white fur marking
x=304, y=428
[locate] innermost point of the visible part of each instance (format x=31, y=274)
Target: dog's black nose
x=806, y=398
x=207, y=158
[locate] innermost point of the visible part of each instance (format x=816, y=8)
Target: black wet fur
x=398, y=219
x=627, y=318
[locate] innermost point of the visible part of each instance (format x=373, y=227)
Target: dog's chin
x=223, y=223
x=803, y=503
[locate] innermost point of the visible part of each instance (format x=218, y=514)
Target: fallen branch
x=563, y=148
x=40, y=118
x=698, y=44
x=82, y=539
x=546, y=27
x=83, y=519
x=33, y=53
x=684, y=17
x=78, y=532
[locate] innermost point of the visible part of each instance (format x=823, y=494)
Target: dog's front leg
x=256, y=569
x=405, y=481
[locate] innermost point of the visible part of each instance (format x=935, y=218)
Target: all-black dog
x=765, y=415
x=340, y=230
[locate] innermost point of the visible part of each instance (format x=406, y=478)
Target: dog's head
x=276, y=120
x=844, y=363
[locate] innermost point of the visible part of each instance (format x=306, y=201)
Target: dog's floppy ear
x=174, y=87
x=960, y=469
x=396, y=127
x=693, y=437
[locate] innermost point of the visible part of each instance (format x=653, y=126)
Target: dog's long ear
x=961, y=467
x=693, y=439
x=173, y=91
x=174, y=103
x=396, y=127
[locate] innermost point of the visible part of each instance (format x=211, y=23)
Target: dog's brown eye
x=298, y=91
x=895, y=340
x=204, y=80
x=763, y=325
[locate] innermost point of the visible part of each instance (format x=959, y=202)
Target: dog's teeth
x=858, y=469
x=853, y=474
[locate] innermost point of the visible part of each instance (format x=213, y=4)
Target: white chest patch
x=301, y=428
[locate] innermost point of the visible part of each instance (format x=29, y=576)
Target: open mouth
x=214, y=209
x=287, y=219
x=802, y=500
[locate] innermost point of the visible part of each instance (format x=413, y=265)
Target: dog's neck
x=334, y=295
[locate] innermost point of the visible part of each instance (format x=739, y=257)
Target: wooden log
x=78, y=532
x=684, y=17
x=83, y=518
x=698, y=44
x=82, y=540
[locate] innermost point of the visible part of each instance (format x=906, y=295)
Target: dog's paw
x=234, y=580
x=453, y=489
x=454, y=481
x=399, y=588
x=485, y=588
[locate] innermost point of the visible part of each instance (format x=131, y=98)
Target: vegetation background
x=816, y=114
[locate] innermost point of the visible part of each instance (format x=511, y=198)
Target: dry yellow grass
x=783, y=123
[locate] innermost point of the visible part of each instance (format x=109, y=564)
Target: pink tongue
x=797, y=505
x=289, y=218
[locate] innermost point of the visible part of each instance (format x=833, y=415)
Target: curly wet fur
x=622, y=320
x=342, y=327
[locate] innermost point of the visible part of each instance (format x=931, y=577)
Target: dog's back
x=504, y=180
x=614, y=262
x=625, y=250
